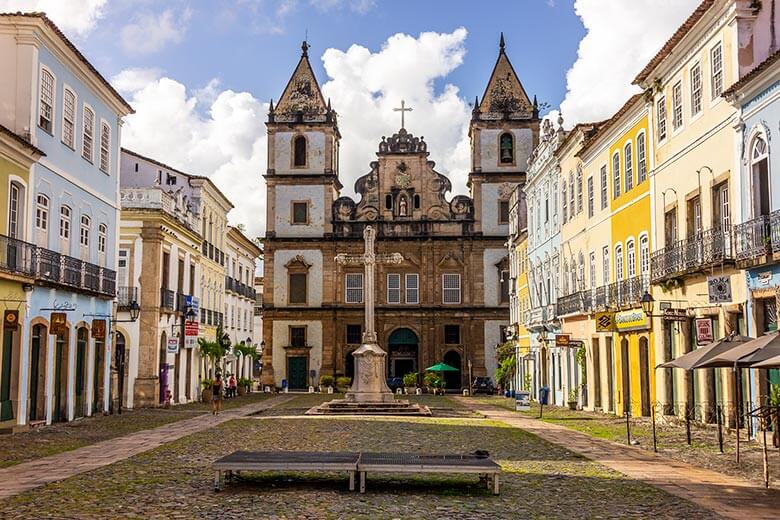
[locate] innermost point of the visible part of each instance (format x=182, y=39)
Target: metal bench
x=352, y=463
x=408, y=463
x=285, y=461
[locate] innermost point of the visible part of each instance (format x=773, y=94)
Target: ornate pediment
x=402, y=142
x=297, y=263
x=451, y=260
x=504, y=96
x=302, y=97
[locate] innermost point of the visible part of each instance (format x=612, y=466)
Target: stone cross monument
x=369, y=384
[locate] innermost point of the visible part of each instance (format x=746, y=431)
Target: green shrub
x=432, y=380
x=206, y=384
x=244, y=381
x=410, y=379
x=343, y=381
x=326, y=381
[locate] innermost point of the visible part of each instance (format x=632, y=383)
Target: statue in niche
x=402, y=208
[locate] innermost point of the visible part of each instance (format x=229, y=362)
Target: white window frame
x=618, y=262
x=661, y=118
x=591, y=198
x=572, y=196
x=644, y=254
x=66, y=213
x=592, y=261
x=605, y=254
x=677, y=106
x=450, y=286
x=102, y=238
x=697, y=90
x=50, y=103
x=412, y=284
x=69, y=120
x=393, y=288
x=87, y=133
x=42, y=212
x=353, y=288
x=105, y=147
x=716, y=71
x=628, y=166
x=641, y=158
x=630, y=258
x=616, y=187
x=604, y=187
x=579, y=190
x=85, y=223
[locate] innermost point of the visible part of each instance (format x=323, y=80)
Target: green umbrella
x=441, y=367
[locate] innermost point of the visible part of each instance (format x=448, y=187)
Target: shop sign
x=11, y=320
x=59, y=323
x=173, y=345
x=764, y=278
x=562, y=340
x=675, y=315
x=605, y=322
x=635, y=319
x=704, y=334
x=719, y=289
x=99, y=329
x=191, y=331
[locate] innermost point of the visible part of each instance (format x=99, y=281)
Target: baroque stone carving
x=403, y=142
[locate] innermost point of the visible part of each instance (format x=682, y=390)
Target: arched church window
x=507, y=148
x=416, y=202
x=388, y=201
x=299, y=151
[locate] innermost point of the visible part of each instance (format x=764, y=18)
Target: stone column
x=146, y=388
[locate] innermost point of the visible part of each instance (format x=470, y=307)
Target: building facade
x=519, y=299
x=449, y=299
x=58, y=101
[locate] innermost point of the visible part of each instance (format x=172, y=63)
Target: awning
x=773, y=362
x=770, y=352
x=695, y=358
x=738, y=355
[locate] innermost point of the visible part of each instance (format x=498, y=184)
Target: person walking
x=233, y=385
x=216, y=395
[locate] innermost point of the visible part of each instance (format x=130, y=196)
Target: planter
x=572, y=405
x=242, y=390
x=206, y=395
x=410, y=390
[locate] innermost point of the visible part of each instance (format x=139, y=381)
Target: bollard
x=330, y=389
x=628, y=428
x=655, y=439
x=286, y=389
x=720, y=429
x=465, y=392
x=399, y=391
x=418, y=391
x=766, y=457
x=688, y=424
x=311, y=389
x=267, y=389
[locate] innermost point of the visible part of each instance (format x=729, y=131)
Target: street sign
x=719, y=289
x=98, y=329
x=173, y=345
x=675, y=315
x=191, y=331
x=704, y=333
x=59, y=323
x=562, y=340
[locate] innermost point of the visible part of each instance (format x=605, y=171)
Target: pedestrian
x=233, y=385
x=216, y=395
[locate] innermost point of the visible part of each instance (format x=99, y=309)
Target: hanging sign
x=704, y=333
x=719, y=289
x=99, y=329
x=11, y=320
x=173, y=345
x=562, y=340
x=675, y=315
x=635, y=319
x=191, y=332
x=605, y=322
x=59, y=323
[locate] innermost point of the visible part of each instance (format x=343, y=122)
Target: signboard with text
x=719, y=288
x=562, y=340
x=99, y=329
x=605, y=322
x=173, y=345
x=635, y=319
x=675, y=315
x=59, y=323
x=11, y=320
x=704, y=332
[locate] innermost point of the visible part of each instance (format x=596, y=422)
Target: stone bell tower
x=504, y=131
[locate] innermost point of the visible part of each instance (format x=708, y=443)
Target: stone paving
x=730, y=496
x=174, y=480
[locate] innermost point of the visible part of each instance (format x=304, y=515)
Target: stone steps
x=343, y=407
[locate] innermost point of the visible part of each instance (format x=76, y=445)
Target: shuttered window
x=393, y=288
x=451, y=288
x=354, y=287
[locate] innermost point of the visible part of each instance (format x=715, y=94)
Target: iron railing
x=167, y=299
x=623, y=293
x=125, y=296
x=581, y=301
x=52, y=268
x=17, y=256
x=692, y=254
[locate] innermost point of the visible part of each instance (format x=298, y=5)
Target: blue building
x=59, y=102
x=757, y=96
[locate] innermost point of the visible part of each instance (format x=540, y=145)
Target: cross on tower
x=402, y=110
x=369, y=259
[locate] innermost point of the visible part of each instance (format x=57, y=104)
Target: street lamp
x=647, y=302
x=190, y=314
x=135, y=311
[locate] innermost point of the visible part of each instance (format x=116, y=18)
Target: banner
x=11, y=320
x=719, y=289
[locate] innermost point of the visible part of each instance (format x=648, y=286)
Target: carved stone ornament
x=502, y=99
x=403, y=180
x=505, y=190
x=403, y=142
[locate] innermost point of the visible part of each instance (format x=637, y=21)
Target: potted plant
x=325, y=382
x=342, y=383
x=243, y=385
x=432, y=382
x=572, y=399
x=410, y=383
x=206, y=393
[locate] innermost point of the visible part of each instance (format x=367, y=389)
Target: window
x=581, y=272
x=503, y=285
x=694, y=217
x=641, y=159
x=452, y=334
x=297, y=288
x=670, y=227
x=84, y=234
x=503, y=212
x=416, y=202
x=592, y=270
x=42, y=212
x=507, y=149
x=102, y=232
x=759, y=166
x=616, y=175
x=46, y=108
x=696, y=90
x=13, y=210
x=300, y=212
x=170, y=180
x=451, y=288
x=579, y=190
x=412, y=288
x=631, y=258
x=564, y=201
x=677, y=108
x=88, y=133
x=299, y=151
x=571, y=195
x=661, y=107
x=618, y=262
x=628, y=165
x=353, y=283
x=65, y=222
x=68, y=117
x=605, y=265
x=393, y=288
x=388, y=202
x=644, y=255
x=591, y=202
x=354, y=334
x=721, y=214
x=716, y=71
x=105, y=147
x=298, y=336
x=604, y=189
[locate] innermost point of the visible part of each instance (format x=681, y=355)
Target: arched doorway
x=9, y=373
x=349, y=365
x=82, y=336
x=163, y=366
x=402, y=352
x=38, y=373
x=453, y=380
x=122, y=363
x=98, y=379
x=625, y=375
x=644, y=375
x=60, y=408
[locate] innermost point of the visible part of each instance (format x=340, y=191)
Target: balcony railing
x=404, y=228
x=623, y=293
x=579, y=302
x=757, y=238
x=17, y=257
x=167, y=299
x=125, y=296
x=693, y=254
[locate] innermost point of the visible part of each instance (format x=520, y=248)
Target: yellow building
x=16, y=265
x=523, y=306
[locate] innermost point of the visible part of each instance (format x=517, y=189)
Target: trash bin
x=544, y=392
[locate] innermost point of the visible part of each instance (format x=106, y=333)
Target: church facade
x=449, y=298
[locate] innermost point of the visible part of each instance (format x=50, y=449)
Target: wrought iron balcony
x=125, y=296
x=17, y=257
x=167, y=299
x=575, y=303
x=757, y=240
x=620, y=294
x=693, y=254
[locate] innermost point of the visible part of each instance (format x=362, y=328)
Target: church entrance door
x=402, y=353
x=296, y=372
x=452, y=380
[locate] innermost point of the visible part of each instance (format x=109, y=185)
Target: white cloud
x=358, y=6
x=225, y=141
x=131, y=80
x=150, y=32
x=364, y=83
x=621, y=38
x=74, y=17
